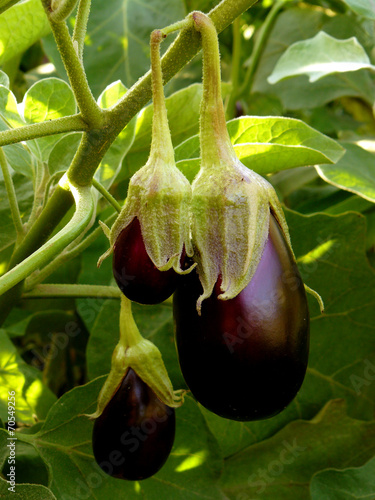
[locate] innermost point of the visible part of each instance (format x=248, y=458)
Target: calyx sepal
x=134, y=351
x=231, y=208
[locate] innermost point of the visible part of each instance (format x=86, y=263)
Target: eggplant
x=245, y=358
x=134, y=435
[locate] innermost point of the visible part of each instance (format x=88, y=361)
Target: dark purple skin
x=135, y=273
x=246, y=358
x=133, y=437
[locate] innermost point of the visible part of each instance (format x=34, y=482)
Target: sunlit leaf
x=33, y=399
x=319, y=57
x=20, y=27
x=354, y=172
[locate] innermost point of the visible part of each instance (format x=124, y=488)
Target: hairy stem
x=74, y=123
x=90, y=111
x=80, y=27
x=102, y=190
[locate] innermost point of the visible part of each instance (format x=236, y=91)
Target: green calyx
x=231, y=204
x=159, y=194
x=134, y=351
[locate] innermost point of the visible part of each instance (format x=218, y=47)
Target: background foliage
x=310, y=128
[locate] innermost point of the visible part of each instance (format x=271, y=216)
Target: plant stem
x=80, y=27
x=129, y=333
x=33, y=281
x=74, y=123
x=82, y=216
x=216, y=147
x=73, y=291
x=236, y=63
x=102, y=190
x=61, y=9
x=9, y=186
x=180, y=25
x=90, y=110
x=161, y=142
x=259, y=45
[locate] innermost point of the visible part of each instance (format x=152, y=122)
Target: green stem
x=82, y=216
x=73, y=291
x=72, y=123
x=129, y=333
x=259, y=45
x=161, y=143
x=180, y=25
x=40, y=276
x=90, y=111
x=216, y=147
x=92, y=148
x=102, y=190
x=61, y=10
x=80, y=27
x=9, y=186
x=236, y=64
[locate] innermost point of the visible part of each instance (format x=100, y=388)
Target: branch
x=73, y=291
x=90, y=110
x=182, y=50
x=80, y=219
x=74, y=123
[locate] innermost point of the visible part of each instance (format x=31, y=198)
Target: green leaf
x=32, y=397
x=48, y=99
x=18, y=155
x=4, y=79
x=117, y=41
x=63, y=152
x=354, y=172
x=112, y=161
x=365, y=8
x=331, y=257
x=183, y=116
x=282, y=467
x=9, y=109
x=20, y=159
x=298, y=92
x=271, y=144
x=64, y=443
x=20, y=27
x=321, y=56
x=355, y=482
